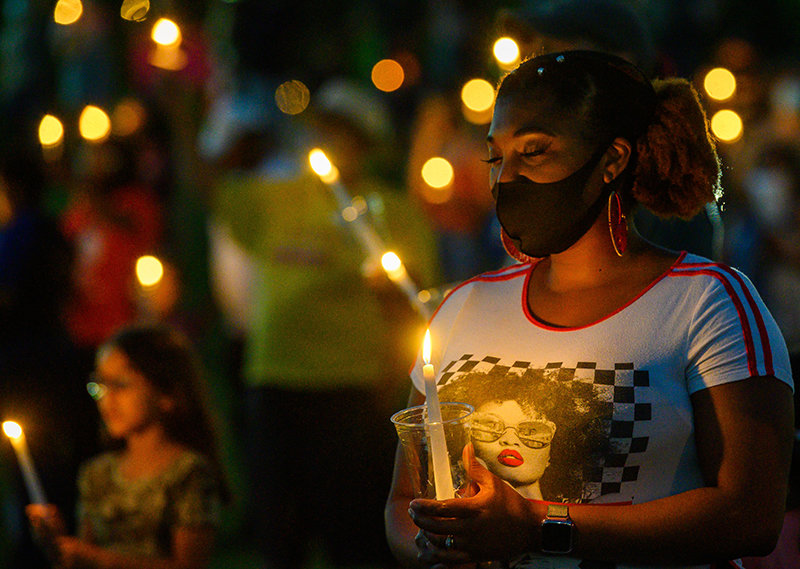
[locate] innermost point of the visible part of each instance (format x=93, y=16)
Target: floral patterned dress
x=138, y=517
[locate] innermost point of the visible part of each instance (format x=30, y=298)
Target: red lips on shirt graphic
x=509, y=457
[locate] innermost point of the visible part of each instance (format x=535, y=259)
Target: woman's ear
x=617, y=157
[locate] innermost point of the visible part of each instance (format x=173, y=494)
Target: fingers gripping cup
x=414, y=432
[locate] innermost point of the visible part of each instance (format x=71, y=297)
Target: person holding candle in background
x=155, y=501
x=326, y=343
x=37, y=387
x=680, y=352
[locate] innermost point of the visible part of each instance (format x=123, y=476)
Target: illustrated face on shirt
x=520, y=451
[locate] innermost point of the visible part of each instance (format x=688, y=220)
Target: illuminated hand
x=494, y=523
x=75, y=553
x=47, y=525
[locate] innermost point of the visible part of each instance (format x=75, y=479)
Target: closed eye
x=492, y=160
x=532, y=153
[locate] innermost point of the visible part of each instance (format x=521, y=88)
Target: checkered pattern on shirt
x=623, y=389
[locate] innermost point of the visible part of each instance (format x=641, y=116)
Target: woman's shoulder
x=493, y=282
x=103, y=462
x=709, y=273
x=493, y=277
x=190, y=468
x=189, y=461
x=99, y=470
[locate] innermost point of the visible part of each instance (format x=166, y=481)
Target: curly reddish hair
x=677, y=170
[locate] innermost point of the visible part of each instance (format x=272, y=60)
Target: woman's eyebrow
x=531, y=128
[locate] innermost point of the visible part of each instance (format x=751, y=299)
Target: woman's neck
x=148, y=452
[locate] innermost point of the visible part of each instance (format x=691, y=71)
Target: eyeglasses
x=98, y=386
x=488, y=428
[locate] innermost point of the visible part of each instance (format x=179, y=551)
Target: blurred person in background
x=773, y=188
x=327, y=338
x=464, y=222
x=460, y=213
x=111, y=219
x=154, y=499
x=37, y=388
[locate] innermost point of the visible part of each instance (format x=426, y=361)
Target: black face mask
x=544, y=219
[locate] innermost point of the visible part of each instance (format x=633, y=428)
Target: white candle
x=397, y=273
x=442, y=477
x=369, y=239
x=17, y=437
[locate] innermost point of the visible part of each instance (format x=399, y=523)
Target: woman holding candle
x=155, y=501
x=681, y=351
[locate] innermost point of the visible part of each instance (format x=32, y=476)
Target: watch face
x=556, y=536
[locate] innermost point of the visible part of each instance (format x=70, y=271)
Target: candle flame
x=319, y=162
x=426, y=347
x=322, y=166
x=12, y=429
x=393, y=266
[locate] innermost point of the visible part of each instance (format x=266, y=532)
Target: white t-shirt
x=617, y=391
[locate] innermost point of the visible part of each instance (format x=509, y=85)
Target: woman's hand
x=47, y=525
x=75, y=553
x=495, y=522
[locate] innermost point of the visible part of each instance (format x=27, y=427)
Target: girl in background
x=154, y=500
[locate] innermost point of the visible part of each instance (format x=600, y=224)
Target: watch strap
x=558, y=511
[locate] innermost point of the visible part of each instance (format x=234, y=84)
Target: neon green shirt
x=316, y=322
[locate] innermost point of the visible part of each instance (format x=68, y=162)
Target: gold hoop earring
x=617, y=224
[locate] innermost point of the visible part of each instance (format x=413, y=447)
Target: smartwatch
x=557, y=530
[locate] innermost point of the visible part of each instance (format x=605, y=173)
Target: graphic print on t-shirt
x=557, y=433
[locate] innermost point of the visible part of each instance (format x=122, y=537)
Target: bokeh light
x=170, y=57
x=727, y=125
x=292, y=97
x=67, y=12
x=506, y=52
x=720, y=84
x=166, y=32
x=134, y=10
x=477, y=95
x=477, y=98
x=128, y=117
x=94, y=124
x=51, y=131
x=437, y=172
x=350, y=213
x=388, y=75
x=149, y=270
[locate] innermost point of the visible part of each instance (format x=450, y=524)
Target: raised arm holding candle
x=369, y=239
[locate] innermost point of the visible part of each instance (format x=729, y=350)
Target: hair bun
x=678, y=169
